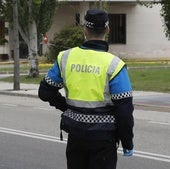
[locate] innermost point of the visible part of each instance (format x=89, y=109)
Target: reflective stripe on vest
x=86, y=75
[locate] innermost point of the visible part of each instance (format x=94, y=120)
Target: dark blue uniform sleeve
x=121, y=93
x=49, y=89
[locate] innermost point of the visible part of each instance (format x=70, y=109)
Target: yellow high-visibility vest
x=86, y=75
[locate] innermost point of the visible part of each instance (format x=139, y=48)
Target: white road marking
x=147, y=155
x=159, y=122
x=31, y=135
x=11, y=105
x=153, y=156
x=41, y=108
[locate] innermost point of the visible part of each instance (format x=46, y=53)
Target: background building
x=4, y=40
x=136, y=31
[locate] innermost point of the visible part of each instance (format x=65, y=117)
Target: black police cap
x=96, y=19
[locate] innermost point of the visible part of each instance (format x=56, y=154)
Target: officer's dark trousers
x=88, y=154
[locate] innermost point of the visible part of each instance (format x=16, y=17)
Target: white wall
x=65, y=15
x=145, y=33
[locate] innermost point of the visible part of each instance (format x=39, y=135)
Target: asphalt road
x=29, y=137
x=152, y=101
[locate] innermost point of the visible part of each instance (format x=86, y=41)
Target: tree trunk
x=32, y=47
x=16, y=47
x=100, y=4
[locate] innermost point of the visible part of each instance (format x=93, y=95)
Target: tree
x=33, y=25
x=68, y=37
x=165, y=12
x=35, y=18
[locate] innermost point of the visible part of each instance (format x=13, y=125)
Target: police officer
x=98, y=107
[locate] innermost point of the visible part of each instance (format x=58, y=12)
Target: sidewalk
x=142, y=100
x=30, y=90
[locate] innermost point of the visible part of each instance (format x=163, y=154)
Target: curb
x=12, y=62
x=151, y=107
x=22, y=72
x=18, y=94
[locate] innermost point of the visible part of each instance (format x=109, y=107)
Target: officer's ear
x=107, y=30
x=85, y=32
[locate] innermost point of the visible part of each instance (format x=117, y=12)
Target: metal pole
x=16, y=47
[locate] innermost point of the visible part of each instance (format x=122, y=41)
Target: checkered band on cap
x=89, y=24
x=92, y=25
x=89, y=118
x=52, y=83
x=121, y=95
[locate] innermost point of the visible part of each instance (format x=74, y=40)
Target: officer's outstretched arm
x=51, y=94
x=125, y=123
x=121, y=91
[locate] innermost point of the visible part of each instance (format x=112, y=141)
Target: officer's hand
x=127, y=152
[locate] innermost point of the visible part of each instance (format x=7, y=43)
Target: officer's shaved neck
x=92, y=35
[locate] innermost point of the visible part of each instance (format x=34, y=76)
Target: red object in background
x=45, y=38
